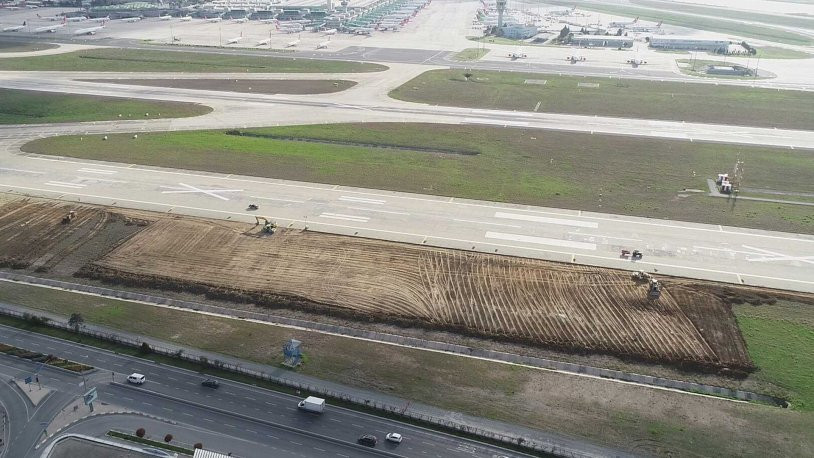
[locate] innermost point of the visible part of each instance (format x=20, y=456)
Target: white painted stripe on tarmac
x=378, y=211
x=546, y=220
x=101, y=172
x=497, y=122
x=65, y=185
x=362, y=200
x=540, y=240
x=486, y=222
x=358, y=219
x=21, y=171
x=278, y=199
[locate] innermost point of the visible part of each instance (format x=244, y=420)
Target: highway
x=263, y=422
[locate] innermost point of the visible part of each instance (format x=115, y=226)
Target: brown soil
x=33, y=236
x=555, y=305
x=252, y=86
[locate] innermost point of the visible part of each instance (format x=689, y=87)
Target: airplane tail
x=636, y=20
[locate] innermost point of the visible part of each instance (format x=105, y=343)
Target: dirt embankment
x=576, y=308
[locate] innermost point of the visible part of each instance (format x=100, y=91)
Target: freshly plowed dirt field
x=32, y=235
x=556, y=305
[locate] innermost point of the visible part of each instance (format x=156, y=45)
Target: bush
x=168, y=438
x=198, y=445
x=145, y=349
x=140, y=432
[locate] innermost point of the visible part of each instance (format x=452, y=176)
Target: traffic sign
x=90, y=396
x=28, y=380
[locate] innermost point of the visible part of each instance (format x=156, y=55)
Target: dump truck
x=312, y=404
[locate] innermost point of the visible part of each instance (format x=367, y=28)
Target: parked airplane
x=622, y=25
x=292, y=44
x=131, y=19
x=186, y=18
x=15, y=28
x=234, y=40
x=644, y=28
x=575, y=58
x=165, y=17
x=263, y=42
x=241, y=20
x=519, y=54
x=49, y=28
x=324, y=44
x=99, y=19
x=50, y=18
x=636, y=60
x=364, y=31
x=89, y=30
x=76, y=19
x=213, y=19
x=329, y=32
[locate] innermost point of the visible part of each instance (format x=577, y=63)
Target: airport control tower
x=501, y=5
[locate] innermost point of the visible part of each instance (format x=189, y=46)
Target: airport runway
x=712, y=252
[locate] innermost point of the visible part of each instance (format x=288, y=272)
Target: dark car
x=368, y=440
x=210, y=383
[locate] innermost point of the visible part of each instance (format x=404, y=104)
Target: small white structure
x=689, y=43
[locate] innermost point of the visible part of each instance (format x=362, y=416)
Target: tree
x=198, y=445
x=145, y=348
x=75, y=321
x=140, y=432
x=564, y=33
x=468, y=75
x=168, y=438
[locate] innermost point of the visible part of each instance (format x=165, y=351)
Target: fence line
x=543, y=363
x=505, y=438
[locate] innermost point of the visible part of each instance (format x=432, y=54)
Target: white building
x=596, y=41
x=689, y=43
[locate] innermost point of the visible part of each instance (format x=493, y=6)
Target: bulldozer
x=69, y=217
x=654, y=291
x=268, y=226
x=640, y=276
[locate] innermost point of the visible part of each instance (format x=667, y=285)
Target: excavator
x=268, y=226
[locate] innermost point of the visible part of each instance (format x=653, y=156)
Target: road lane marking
x=498, y=122
x=21, y=171
x=486, y=222
x=767, y=255
x=546, y=220
x=540, y=240
x=295, y=443
x=377, y=211
x=606, y=236
x=362, y=200
x=356, y=219
x=65, y=185
x=101, y=172
x=102, y=180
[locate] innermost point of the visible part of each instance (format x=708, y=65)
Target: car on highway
x=210, y=383
x=394, y=437
x=368, y=440
x=136, y=378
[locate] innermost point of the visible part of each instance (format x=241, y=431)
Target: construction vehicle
x=627, y=254
x=253, y=207
x=641, y=276
x=654, y=292
x=268, y=226
x=69, y=217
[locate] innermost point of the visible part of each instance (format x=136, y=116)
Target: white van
x=136, y=379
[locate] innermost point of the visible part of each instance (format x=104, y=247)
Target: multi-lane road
x=252, y=421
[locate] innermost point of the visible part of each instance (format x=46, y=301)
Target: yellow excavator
x=268, y=226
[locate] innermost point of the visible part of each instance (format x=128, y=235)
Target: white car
x=394, y=437
x=136, y=379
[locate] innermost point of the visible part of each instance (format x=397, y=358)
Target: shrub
x=140, y=432
x=145, y=348
x=198, y=445
x=168, y=438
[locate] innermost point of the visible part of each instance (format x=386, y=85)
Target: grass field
x=249, y=86
x=635, y=176
x=643, y=420
x=729, y=13
x=32, y=107
x=691, y=102
x=739, y=29
x=137, y=60
x=774, y=52
x=18, y=46
x=471, y=54
x=780, y=339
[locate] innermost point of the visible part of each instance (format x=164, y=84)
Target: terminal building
x=601, y=41
x=690, y=43
x=519, y=32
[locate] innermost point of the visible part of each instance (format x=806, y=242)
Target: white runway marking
x=279, y=200
x=103, y=180
x=21, y=171
x=358, y=219
x=540, y=240
x=185, y=188
x=362, y=200
x=606, y=236
x=377, y=211
x=101, y=172
x=485, y=222
x=497, y=122
x=766, y=256
x=547, y=220
x=65, y=185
